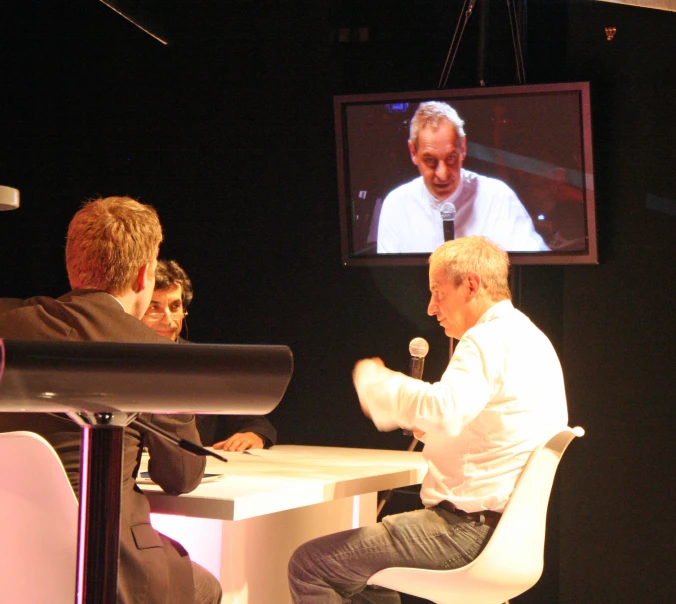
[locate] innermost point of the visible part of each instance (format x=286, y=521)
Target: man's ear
x=412, y=151
x=142, y=281
x=473, y=284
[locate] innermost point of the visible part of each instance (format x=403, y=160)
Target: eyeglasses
x=158, y=315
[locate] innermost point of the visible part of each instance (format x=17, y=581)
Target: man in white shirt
x=500, y=396
x=410, y=220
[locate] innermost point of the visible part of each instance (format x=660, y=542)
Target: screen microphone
x=418, y=347
x=447, y=211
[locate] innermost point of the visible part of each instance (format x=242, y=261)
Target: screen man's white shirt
x=410, y=220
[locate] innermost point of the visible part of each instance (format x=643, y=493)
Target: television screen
x=523, y=175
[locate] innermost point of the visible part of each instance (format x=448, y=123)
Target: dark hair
x=169, y=273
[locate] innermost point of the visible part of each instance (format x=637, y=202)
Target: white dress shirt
x=500, y=396
x=410, y=222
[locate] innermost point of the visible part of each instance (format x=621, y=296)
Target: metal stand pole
x=99, y=511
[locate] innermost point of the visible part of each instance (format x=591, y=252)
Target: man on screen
x=410, y=219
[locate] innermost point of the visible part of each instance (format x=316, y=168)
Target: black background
x=228, y=132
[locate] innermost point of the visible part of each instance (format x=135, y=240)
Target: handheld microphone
x=447, y=211
x=418, y=347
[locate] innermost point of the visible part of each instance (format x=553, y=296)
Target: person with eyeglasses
x=170, y=300
x=166, y=314
x=410, y=219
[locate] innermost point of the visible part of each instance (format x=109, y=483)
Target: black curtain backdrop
x=228, y=132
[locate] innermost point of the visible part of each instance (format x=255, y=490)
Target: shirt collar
x=499, y=309
x=116, y=300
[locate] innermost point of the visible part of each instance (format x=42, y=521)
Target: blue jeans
x=334, y=569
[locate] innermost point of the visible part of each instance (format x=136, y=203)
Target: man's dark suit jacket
x=215, y=428
x=153, y=568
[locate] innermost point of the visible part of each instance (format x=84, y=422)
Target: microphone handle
x=449, y=230
x=415, y=369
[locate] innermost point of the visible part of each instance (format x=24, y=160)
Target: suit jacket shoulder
x=80, y=315
x=9, y=303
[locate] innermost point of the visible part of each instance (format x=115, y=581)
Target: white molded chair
x=513, y=560
x=38, y=523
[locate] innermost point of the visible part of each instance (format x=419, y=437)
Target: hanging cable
x=465, y=14
x=516, y=42
x=111, y=6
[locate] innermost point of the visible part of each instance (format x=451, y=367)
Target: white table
x=245, y=526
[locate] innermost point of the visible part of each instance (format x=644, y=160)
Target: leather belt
x=487, y=517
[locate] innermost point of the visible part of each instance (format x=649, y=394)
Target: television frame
x=355, y=151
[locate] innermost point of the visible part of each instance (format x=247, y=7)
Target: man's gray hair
x=479, y=255
x=433, y=114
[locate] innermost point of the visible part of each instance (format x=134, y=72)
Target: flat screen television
x=536, y=139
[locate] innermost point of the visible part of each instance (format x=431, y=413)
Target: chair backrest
x=513, y=559
x=38, y=523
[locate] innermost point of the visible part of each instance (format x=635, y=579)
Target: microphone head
x=447, y=211
x=418, y=347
